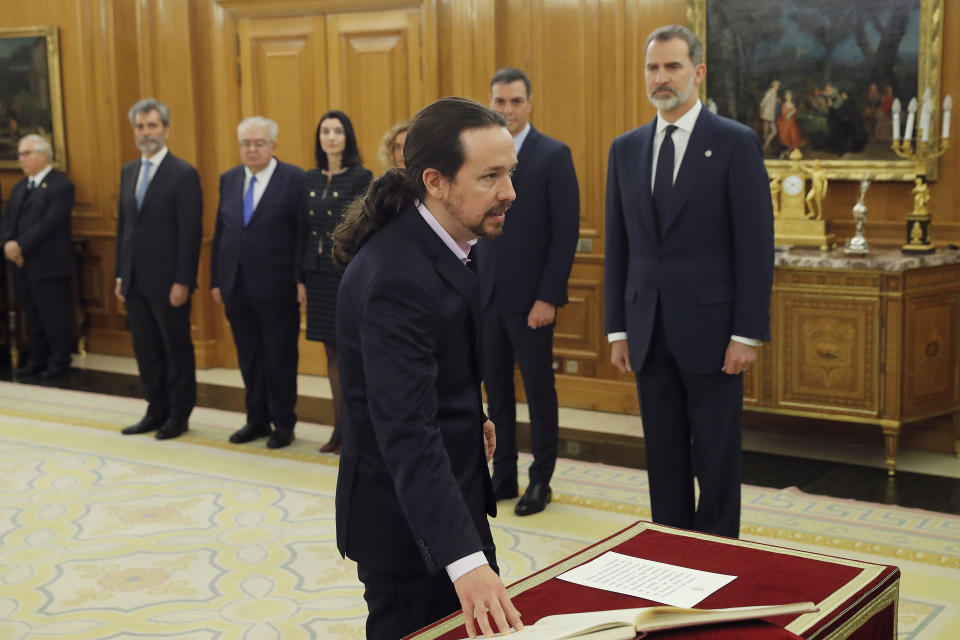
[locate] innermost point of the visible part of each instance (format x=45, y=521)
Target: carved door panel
x=930, y=352
x=376, y=72
x=284, y=78
x=829, y=353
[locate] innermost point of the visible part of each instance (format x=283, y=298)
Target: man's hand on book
x=481, y=592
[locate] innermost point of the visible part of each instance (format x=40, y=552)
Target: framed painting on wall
x=31, y=97
x=822, y=76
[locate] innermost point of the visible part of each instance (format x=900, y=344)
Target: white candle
x=947, y=107
x=925, y=114
x=895, y=111
x=911, y=114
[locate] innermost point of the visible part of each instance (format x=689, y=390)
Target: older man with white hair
x=251, y=274
x=36, y=238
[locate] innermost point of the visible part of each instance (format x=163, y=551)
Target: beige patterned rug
x=106, y=536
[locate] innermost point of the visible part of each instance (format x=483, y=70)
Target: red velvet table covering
x=857, y=600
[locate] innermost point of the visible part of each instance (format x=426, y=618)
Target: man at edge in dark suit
x=251, y=274
x=688, y=274
x=524, y=276
x=414, y=490
x=159, y=227
x=36, y=234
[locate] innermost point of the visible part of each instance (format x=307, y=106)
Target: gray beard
x=671, y=103
x=149, y=145
x=666, y=104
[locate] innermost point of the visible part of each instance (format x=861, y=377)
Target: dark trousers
x=398, y=605
x=164, y=350
x=506, y=337
x=46, y=305
x=266, y=338
x=691, y=426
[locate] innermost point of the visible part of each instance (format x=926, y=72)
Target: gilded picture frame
x=31, y=96
x=790, y=44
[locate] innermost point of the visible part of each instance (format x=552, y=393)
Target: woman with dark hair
x=338, y=179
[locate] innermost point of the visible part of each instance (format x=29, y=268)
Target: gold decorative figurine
x=798, y=210
x=918, y=221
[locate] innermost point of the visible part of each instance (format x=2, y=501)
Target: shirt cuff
x=753, y=342
x=458, y=568
x=617, y=335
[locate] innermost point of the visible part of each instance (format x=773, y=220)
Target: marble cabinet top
x=884, y=259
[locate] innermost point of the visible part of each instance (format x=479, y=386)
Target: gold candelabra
x=918, y=232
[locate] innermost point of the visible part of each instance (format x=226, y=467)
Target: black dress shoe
x=505, y=489
x=171, y=429
x=280, y=438
x=146, y=424
x=250, y=432
x=53, y=372
x=29, y=369
x=535, y=499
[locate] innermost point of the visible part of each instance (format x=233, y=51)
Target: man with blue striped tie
x=159, y=227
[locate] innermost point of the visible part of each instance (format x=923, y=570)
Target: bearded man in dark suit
x=414, y=492
x=688, y=273
x=36, y=234
x=159, y=228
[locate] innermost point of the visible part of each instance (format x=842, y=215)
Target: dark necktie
x=30, y=189
x=663, y=181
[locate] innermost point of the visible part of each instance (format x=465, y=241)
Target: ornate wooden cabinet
x=870, y=339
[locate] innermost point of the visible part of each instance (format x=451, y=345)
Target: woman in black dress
x=338, y=179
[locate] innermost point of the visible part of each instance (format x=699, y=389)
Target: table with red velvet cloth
x=857, y=600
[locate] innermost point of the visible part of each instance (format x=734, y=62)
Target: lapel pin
x=708, y=153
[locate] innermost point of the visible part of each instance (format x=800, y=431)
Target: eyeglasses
x=23, y=154
x=259, y=144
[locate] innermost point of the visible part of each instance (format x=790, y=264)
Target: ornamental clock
x=791, y=197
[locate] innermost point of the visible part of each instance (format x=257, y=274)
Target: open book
x=625, y=624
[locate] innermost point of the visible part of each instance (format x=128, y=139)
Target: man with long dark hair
x=414, y=490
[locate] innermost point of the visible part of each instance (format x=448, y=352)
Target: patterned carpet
x=105, y=536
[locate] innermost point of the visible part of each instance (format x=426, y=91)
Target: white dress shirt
x=263, y=179
x=519, y=138
x=154, y=161
x=37, y=179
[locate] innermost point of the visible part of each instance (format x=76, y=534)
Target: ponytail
x=386, y=199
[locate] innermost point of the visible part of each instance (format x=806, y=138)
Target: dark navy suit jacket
x=413, y=491
x=532, y=259
x=264, y=248
x=159, y=245
x=711, y=269
x=41, y=226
